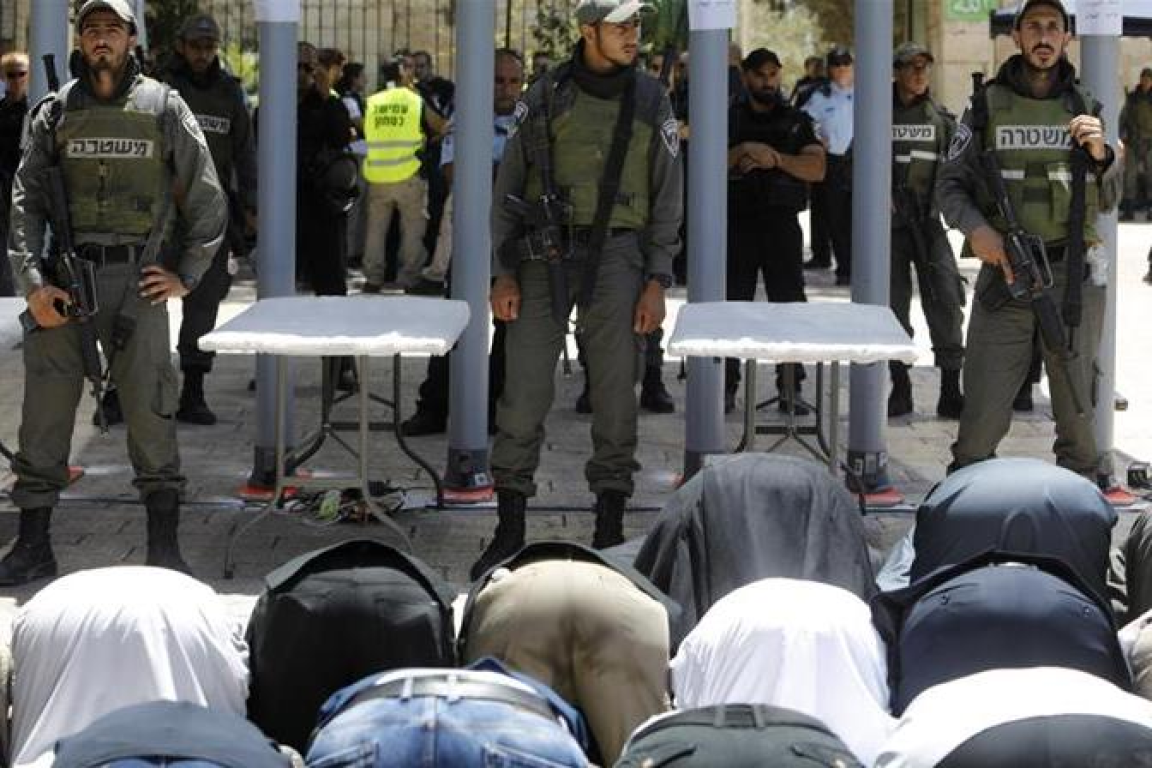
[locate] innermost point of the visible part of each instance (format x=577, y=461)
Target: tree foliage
x=834, y=17
x=163, y=19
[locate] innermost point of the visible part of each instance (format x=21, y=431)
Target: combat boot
x=900, y=399
x=951, y=401
x=193, y=409
x=163, y=520
x=584, y=401
x=609, y=519
x=654, y=395
x=31, y=556
x=508, y=537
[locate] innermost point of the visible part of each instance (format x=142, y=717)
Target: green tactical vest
x=1034, y=147
x=919, y=143
x=581, y=138
x=112, y=160
x=1140, y=117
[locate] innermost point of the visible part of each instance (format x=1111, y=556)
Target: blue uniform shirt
x=832, y=113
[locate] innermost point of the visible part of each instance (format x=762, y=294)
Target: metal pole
x=141, y=24
x=471, y=246
x=871, y=236
x=1100, y=59
x=277, y=23
x=49, y=34
x=707, y=234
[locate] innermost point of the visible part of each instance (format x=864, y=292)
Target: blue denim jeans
x=434, y=732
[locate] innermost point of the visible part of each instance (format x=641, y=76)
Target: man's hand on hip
x=505, y=298
x=42, y=305
x=649, y=309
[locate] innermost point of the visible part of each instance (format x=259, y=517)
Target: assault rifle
x=75, y=275
x=1031, y=275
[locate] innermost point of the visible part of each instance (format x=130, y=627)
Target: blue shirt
x=832, y=113
x=501, y=124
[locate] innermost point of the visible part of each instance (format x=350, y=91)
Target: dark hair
x=759, y=58
x=390, y=70
x=331, y=57
x=352, y=70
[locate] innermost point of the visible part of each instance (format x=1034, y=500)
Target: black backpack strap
x=1073, y=306
x=609, y=188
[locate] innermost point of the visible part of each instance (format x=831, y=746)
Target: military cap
x=909, y=52
x=119, y=7
x=611, y=11
x=1027, y=5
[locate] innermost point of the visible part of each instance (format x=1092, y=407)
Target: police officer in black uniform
x=217, y=100
x=773, y=154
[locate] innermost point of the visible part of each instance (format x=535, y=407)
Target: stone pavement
x=101, y=522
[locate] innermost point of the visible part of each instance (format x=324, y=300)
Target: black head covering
x=1018, y=506
x=988, y=614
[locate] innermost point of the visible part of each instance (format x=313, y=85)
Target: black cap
x=838, y=56
x=200, y=26
x=1027, y=5
x=758, y=58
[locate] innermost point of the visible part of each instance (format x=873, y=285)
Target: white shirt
x=945, y=716
x=801, y=645
x=96, y=641
x=833, y=117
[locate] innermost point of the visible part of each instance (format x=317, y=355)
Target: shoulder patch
x=670, y=133
x=960, y=141
x=518, y=116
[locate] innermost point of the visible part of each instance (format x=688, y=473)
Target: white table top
x=816, y=332
x=374, y=326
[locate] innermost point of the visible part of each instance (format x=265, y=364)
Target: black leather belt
x=453, y=686
x=582, y=235
x=101, y=255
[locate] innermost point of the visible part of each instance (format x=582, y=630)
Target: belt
x=101, y=255
x=583, y=235
x=452, y=686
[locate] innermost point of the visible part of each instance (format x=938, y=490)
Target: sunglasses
x=15, y=75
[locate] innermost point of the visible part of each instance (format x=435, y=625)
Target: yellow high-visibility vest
x=392, y=130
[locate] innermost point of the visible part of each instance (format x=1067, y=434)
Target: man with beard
x=125, y=146
x=1033, y=118
x=595, y=123
x=217, y=100
x=773, y=154
x=921, y=133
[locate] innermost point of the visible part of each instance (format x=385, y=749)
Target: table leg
x=380, y=513
x=834, y=418
x=748, y=441
x=404, y=443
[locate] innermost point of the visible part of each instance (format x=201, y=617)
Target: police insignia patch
x=518, y=114
x=670, y=133
x=960, y=141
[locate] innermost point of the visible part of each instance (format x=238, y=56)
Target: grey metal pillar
x=276, y=25
x=48, y=34
x=139, y=6
x=467, y=467
x=871, y=235
x=1100, y=62
x=707, y=234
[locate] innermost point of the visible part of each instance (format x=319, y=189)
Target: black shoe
x=163, y=520
x=843, y=279
x=1022, y=403
x=193, y=409
x=654, y=395
x=609, y=511
x=370, y=287
x=812, y=264
x=1148, y=277
x=425, y=287
x=900, y=399
x=508, y=538
x=951, y=402
x=110, y=405
x=30, y=557
x=423, y=423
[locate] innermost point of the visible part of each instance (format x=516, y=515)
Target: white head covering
x=945, y=716
x=96, y=641
x=797, y=644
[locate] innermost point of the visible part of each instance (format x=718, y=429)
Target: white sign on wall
x=711, y=14
x=1099, y=17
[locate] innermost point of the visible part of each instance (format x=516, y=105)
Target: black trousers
x=433, y=398
x=767, y=243
x=818, y=228
x=835, y=194
x=200, y=308
x=321, y=246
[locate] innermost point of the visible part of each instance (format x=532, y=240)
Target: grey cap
x=909, y=52
x=119, y=7
x=200, y=26
x=611, y=11
x=1027, y=5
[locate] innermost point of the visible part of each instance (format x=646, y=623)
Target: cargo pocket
x=164, y=398
x=655, y=757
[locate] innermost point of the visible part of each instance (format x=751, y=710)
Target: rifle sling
x=609, y=189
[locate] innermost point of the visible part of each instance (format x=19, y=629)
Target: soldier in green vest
x=558, y=240
x=921, y=133
x=1136, y=133
x=1033, y=117
x=126, y=145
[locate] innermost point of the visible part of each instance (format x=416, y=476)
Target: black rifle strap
x=1074, y=257
x=609, y=188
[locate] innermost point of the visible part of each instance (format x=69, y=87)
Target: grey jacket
x=660, y=239
x=202, y=208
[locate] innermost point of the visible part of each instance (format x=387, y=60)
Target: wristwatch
x=189, y=282
x=665, y=281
